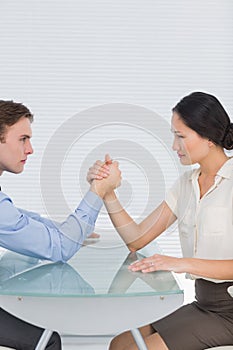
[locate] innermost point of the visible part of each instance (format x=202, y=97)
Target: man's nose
x=29, y=149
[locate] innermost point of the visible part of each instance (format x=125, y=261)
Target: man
x=28, y=233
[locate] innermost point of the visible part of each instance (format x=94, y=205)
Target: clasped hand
x=109, y=174
x=100, y=170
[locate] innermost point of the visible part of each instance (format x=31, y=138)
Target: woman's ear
x=211, y=143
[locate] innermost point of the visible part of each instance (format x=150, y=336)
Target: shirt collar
x=225, y=171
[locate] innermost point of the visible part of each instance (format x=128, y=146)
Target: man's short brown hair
x=10, y=113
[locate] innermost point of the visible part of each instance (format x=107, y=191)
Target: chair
x=142, y=346
x=226, y=347
x=42, y=342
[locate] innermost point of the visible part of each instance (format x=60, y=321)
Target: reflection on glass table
x=95, y=294
x=160, y=281
x=41, y=279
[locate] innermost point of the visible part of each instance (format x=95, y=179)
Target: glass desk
x=93, y=294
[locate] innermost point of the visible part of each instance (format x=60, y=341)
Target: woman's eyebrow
x=176, y=131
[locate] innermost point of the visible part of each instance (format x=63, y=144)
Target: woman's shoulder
x=184, y=181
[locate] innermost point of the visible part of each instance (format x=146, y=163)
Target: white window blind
x=96, y=75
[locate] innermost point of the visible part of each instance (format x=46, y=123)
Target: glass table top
x=98, y=269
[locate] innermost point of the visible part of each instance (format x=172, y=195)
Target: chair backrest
x=226, y=347
x=230, y=291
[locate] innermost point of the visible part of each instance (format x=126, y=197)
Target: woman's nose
x=175, y=146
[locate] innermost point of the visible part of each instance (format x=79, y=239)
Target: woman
x=201, y=201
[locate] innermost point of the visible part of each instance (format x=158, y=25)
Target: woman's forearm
x=203, y=268
x=136, y=235
x=127, y=228
x=216, y=269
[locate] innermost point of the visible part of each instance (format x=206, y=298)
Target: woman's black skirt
x=205, y=323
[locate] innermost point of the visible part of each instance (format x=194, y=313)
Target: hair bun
x=227, y=141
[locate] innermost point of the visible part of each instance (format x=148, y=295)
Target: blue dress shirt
x=28, y=233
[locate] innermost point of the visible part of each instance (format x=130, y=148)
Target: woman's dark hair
x=204, y=114
x=10, y=113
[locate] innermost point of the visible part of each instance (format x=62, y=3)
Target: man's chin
x=15, y=171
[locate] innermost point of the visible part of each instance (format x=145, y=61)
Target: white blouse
x=206, y=224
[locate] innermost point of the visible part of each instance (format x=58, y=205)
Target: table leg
x=44, y=339
x=138, y=339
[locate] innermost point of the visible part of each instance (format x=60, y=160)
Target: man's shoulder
x=4, y=196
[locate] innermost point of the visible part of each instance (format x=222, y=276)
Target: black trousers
x=22, y=335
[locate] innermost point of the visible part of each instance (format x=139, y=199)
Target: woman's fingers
x=144, y=265
x=98, y=171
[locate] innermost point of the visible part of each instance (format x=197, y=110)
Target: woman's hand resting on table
x=159, y=262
